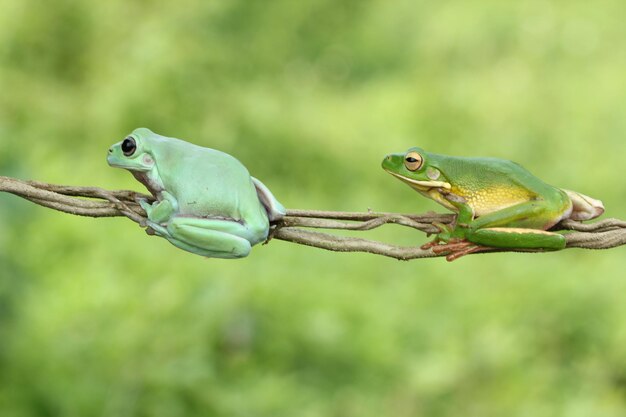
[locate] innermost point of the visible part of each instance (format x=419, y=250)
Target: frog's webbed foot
x=472, y=248
x=435, y=242
x=454, y=248
x=457, y=249
x=451, y=245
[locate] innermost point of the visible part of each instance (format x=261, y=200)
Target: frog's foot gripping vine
x=454, y=248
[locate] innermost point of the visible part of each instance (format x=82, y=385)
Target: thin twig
x=98, y=202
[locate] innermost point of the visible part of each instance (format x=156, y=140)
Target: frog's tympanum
x=206, y=201
x=499, y=204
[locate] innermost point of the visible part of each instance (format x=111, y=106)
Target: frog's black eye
x=413, y=161
x=129, y=146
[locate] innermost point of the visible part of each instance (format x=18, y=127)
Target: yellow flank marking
x=493, y=198
x=519, y=230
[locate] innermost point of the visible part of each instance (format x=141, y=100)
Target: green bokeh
x=98, y=319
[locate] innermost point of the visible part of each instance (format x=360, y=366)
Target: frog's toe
x=466, y=251
x=156, y=229
x=452, y=246
x=430, y=244
x=436, y=243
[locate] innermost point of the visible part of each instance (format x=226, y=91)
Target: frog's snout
x=386, y=162
x=111, y=158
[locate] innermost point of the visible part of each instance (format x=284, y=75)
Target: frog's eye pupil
x=129, y=146
x=411, y=159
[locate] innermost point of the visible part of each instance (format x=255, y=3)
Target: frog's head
x=134, y=152
x=414, y=168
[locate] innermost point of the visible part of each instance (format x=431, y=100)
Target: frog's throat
x=421, y=185
x=152, y=186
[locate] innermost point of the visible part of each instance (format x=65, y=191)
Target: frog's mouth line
x=422, y=185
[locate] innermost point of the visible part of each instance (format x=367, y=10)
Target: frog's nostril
x=388, y=158
x=110, y=150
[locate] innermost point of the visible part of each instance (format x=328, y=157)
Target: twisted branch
x=97, y=202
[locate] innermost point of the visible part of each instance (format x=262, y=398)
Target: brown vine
x=98, y=202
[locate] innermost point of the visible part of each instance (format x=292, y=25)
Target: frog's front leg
x=161, y=210
x=453, y=233
x=452, y=239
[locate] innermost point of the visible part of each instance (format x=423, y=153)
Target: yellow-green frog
x=498, y=203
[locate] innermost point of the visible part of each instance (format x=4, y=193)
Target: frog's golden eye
x=129, y=146
x=413, y=161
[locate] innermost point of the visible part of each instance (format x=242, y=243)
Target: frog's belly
x=494, y=199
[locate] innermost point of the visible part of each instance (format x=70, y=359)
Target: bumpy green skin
x=207, y=202
x=499, y=203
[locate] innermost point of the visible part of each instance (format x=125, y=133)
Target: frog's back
x=491, y=184
x=207, y=181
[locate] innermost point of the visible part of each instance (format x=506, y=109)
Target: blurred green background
x=98, y=319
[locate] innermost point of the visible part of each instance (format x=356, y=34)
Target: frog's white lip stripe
x=424, y=184
x=112, y=162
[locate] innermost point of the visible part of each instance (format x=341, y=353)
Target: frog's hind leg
x=209, y=237
x=512, y=238
x=523, y=225
x=239, y=248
